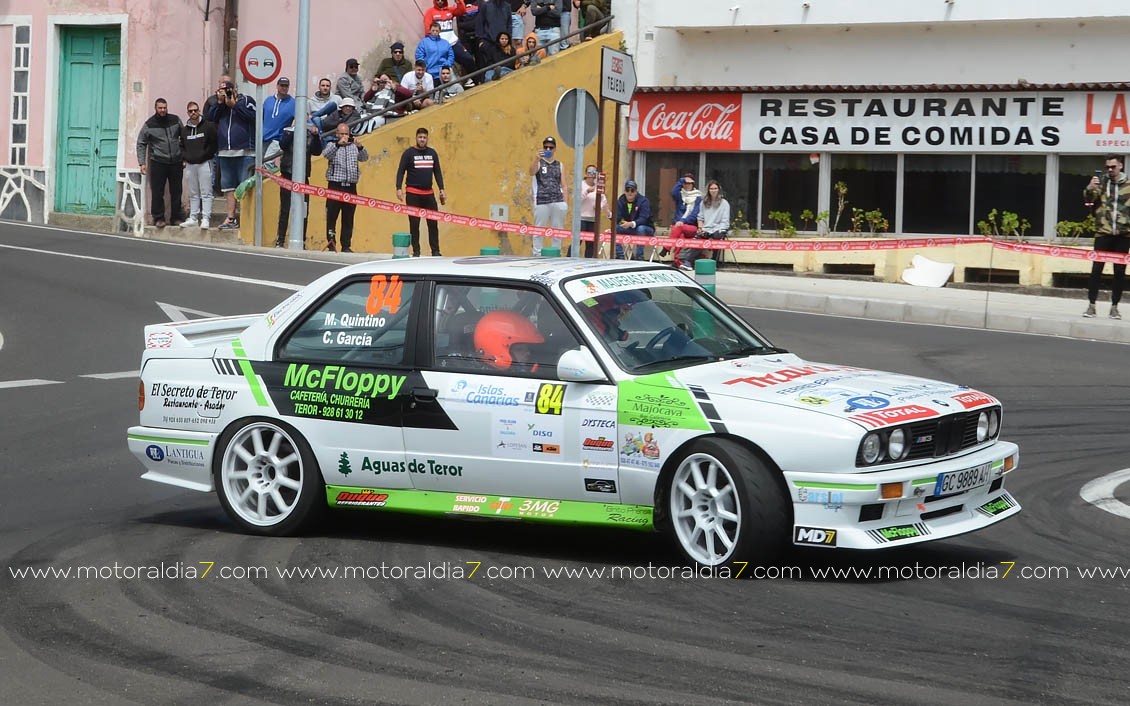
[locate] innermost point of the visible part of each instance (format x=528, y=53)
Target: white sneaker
x=190, y=223
x=205, y=223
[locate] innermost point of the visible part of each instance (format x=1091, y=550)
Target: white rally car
x=574, y=391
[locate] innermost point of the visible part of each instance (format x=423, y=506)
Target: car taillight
x=140, y=395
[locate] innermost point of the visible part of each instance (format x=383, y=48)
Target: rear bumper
x=180, y=458
x=849, y=510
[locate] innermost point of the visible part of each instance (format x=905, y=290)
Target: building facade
x=899, y=115
x=84, y=75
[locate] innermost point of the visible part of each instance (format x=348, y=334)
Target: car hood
x=871, y=398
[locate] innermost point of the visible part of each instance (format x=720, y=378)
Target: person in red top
x=420, y=164
x=445, y=13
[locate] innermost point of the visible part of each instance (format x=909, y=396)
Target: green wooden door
x=90, y=94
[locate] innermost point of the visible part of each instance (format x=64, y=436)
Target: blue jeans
x=549, y=37
x=494, y=74
x=566, y=21
x=517, y=30
x=638, y=230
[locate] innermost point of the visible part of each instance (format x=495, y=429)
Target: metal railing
x=361, y=116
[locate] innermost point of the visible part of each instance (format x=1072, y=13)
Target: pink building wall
x=174, y=49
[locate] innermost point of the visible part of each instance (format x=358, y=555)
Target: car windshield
x=654, y=329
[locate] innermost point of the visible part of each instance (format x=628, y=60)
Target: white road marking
x=165, y=268
x=1, y=340
x=1100, y=493
x=180, y=313
x=29, y=383
x=113, y=376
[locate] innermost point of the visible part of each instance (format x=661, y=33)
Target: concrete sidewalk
x=1001, y=311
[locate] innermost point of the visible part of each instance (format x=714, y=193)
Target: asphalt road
x=247, y=632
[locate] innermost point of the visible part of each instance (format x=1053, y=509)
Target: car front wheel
x=726, y=507
x=267, y=479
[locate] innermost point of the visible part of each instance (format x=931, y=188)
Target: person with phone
x=343, y=171
x=551, y=192
x=1110, y=195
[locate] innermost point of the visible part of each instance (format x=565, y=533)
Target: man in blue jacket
x=435, y=52
x=234, y=115
x=278, y=111
x=633, y=217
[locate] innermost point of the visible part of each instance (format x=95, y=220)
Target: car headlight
x=994, y=423
x=896, y=445
x=982, y=426
x=872, y=447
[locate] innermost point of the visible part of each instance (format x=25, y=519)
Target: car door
x=341, y=375
x=520, y=430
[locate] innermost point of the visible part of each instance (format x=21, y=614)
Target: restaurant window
x=935, y=194
x=1075, y=172
x=1011, y=182
x=736, y=173
x=662, y=172
x=870, y=182
x=791, y=184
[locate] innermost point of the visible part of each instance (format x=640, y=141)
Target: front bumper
x=850, y=510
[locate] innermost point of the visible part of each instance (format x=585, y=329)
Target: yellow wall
x=486, y=139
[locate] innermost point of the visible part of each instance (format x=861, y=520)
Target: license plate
x=960, y=481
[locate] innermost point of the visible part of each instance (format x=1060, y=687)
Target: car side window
x=505, y=330
x=363, y=323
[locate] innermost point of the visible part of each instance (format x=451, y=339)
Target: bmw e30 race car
x=573, y=391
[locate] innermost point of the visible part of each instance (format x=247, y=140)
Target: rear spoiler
x=198, y=332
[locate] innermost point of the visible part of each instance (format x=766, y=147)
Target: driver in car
x=605, y=312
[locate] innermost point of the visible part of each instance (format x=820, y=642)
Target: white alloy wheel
x=261, y=475
x=705, y=509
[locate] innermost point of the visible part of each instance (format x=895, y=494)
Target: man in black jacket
x=159, y=156
x=198, y=145
x=421, y=163
x=286, y=167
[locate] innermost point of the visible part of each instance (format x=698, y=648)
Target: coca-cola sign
x=705, y=121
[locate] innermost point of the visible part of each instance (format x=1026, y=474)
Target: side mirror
x=579, y=365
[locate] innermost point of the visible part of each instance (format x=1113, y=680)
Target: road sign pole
x=615, y=181
x=298, y=206
x=578, y=169
x=258, y=165
x=601, y=187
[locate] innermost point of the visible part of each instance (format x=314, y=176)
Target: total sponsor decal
x=657, y=401
x=176, y=455
x=899, y=532
x=600, y=485
x=485, y=394
x=539, y=509
x=207, y=400
x=587, y=287
x=469, y=503
x=789, y=374
x=815, y=535
x=972, y=399
x=894, y=415
x=364, y=498
x=640, y=449
x=598, y=444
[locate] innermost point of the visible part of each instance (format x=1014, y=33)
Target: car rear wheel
x=267, y=479
x=726, y=506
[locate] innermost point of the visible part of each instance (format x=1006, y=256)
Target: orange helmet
x=499, y=330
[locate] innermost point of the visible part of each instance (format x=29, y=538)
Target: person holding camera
x=1110, y=195
x=343, y=171
x=552, y=193
x=234, y=116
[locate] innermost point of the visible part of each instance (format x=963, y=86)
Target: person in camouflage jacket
x=1111, y=198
